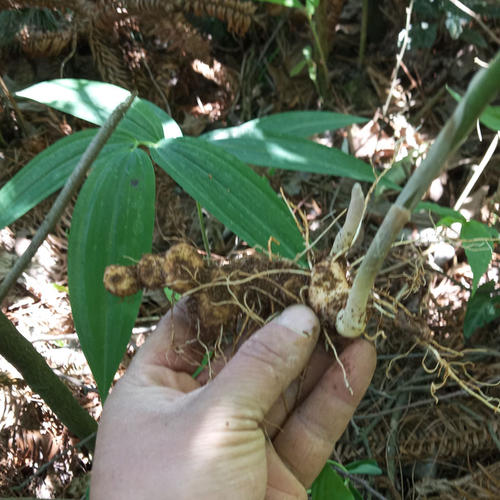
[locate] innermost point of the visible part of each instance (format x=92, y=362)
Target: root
x=450, y=369
x=342, y=367
x=221, y=296
x=249, y=288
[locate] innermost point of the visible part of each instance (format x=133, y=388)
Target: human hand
x=258, y=430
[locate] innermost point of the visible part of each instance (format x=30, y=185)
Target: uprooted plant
x=241, y=294
x=116, y=206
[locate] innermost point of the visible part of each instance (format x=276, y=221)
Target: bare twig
x=356, y=479
x=364, y=30
x=478, y=170
x=399, y=58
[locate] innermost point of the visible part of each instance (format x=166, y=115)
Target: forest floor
x=427, y=418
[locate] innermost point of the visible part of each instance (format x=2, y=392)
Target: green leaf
x=145, y=123
x=490, y=117
x=298, y=68
x=48, y=172
x=294, y=153
x=398, y=174
x=204, y=362
x=482, y=308
x=142, y=124
x=473, y=37
x=448, y=214
x=296, y=123
x=169, y=125
x=42, y=176
x=94, y=101
x=422, y=35
x=285, y=3
x=311, y=6
x=478, y=253
x=112, y=224
x=172, y=296
x=231, y=191
x=330, y=486
x=369, y=467
x=85, y=99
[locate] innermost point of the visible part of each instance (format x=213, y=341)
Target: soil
x=425, y=419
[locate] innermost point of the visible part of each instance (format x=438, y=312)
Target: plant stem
x=482, y=89
x=319, y=46
x=206, y=244
x=478, y=170
x=347, y=234
x=72, y=184
x=399, y=59
x=352, y=319
x=364, y=29
x=19, y=352
x=14, y=105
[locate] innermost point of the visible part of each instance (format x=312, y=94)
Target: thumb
x=267, y=362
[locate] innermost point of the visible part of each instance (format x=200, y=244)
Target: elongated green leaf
x=112, y=224
x=296, y=123
x=146, y=123
x=482, y=308
x=294, y=153
x=231, y=191
x=85, y=99
x=94, y=101
x=48, y=171
x=169, y=125
x=367, y=466
x=42, y=176
x=444, y=212
x=478, y=252
x=490, y=117
x=329, y=485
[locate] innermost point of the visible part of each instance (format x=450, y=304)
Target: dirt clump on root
x=237, y=296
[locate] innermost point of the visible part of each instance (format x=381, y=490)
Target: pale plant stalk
x=485, y=85
x=349, y=231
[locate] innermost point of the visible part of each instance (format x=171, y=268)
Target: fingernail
x=299, y=319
